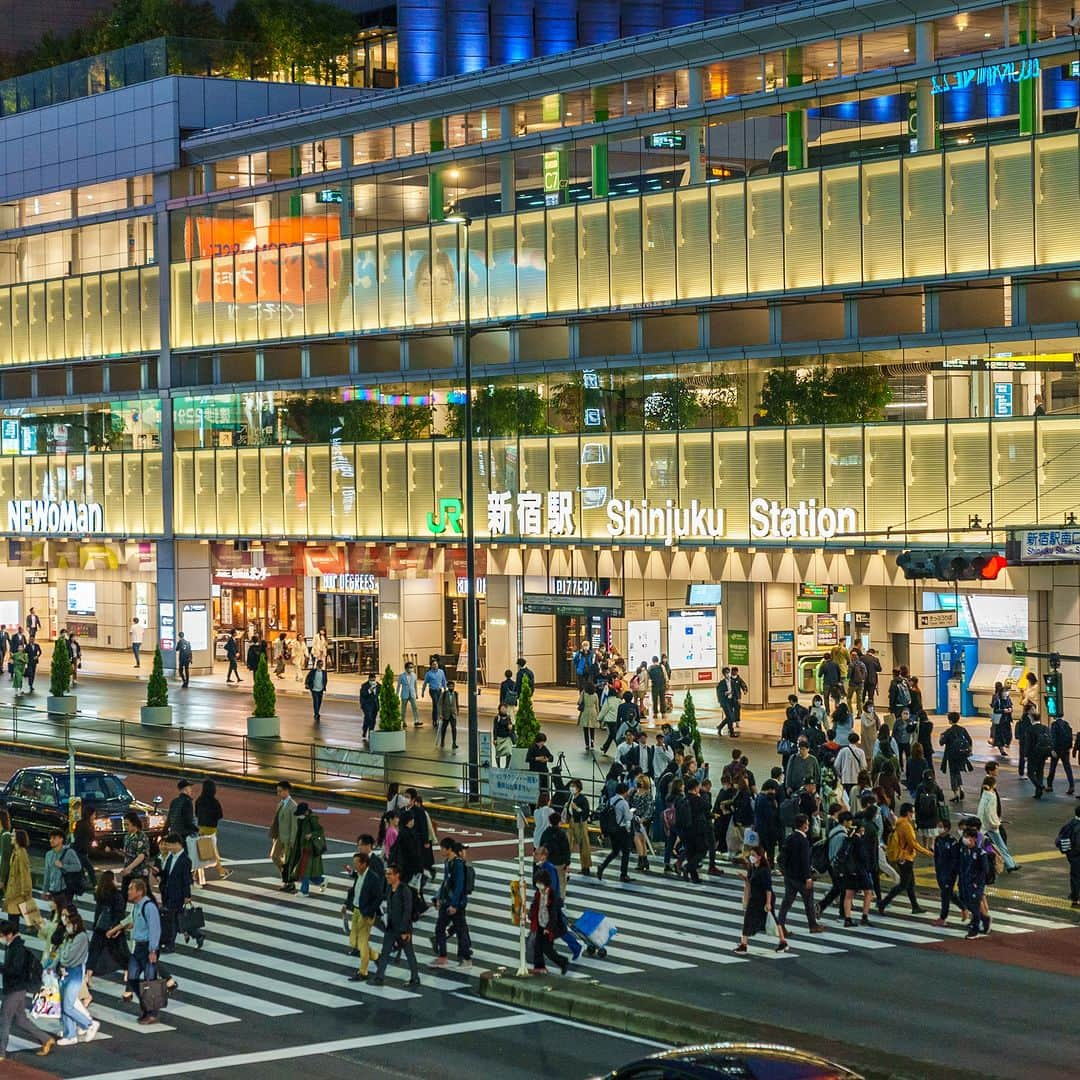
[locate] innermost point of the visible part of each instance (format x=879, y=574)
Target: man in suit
x=799, y=874
x=283, y=833
x=175, y=890
x=399, y=922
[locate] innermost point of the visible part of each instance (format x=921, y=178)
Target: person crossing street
x=452, y=900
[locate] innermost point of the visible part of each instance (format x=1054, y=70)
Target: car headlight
x=103, y=824
x=155, y=821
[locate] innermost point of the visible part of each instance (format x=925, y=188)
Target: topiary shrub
x=526, y=726
x=688, y=725
x=157, y=689
x=60, y=670
x=263, y=692
x=389, y=702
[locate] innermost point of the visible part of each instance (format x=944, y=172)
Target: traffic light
x=1052, y=695
x=952, y=564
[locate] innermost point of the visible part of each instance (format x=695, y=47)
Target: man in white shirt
x=621, y=842
x=850, y=761
x=662, y=757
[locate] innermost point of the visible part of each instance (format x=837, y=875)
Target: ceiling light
x=987, y=34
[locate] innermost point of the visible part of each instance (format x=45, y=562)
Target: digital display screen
x=81, y=598
x=1000, y=618
x=692, y=639
x=703, y=595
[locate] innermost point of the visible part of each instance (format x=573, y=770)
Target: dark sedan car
x=742, y=1061
x=37, y=800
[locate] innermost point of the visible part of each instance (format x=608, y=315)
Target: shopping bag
x=191, y=919
x=153, y=995
x=46, y=1004
x=206, y=849
x=772, y=925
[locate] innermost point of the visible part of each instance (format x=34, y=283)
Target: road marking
x=290, y=1053
x=181, y=1009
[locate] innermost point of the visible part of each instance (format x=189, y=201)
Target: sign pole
x=522, y=928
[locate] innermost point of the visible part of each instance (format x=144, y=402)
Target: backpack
x=926, y=806
x=1063, y=736
x=789, y=808
x=684, y=815
x=857, y=672
x=34, y=971
x=606, y=819
x=815, y=737
x=963, y=742
x=470, y=878
x=419, y=904
x=74, y=880
x=1041, y=743
x=845, y=863
x=1067, y=837
x=318, y=841
x=903, y=693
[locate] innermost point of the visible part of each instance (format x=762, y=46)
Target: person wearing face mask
x=75, y=1019
x=947, y=870
x=758, y=901
x=974, y=870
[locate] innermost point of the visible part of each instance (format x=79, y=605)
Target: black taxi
x=37, y=799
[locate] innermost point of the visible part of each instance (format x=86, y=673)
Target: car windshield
x=94, y=788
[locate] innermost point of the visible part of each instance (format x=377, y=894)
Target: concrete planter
x=156, y=715
x=61, y=706
x=517, y=757
x=263, y=727
x=387, y=742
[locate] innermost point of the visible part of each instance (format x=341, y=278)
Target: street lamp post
x=472, y=622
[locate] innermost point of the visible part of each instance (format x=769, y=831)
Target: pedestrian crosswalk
x=280, y=955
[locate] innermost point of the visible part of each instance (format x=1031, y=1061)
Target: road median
x=619, y=1009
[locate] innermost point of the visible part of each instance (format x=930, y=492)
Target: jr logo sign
x=447, y=519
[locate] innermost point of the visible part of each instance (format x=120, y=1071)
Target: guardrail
x=333, y=767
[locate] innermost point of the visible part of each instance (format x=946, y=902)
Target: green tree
x=824, y=395
x=60, y=670
x=526, y=726
x=263, y=692
x=502, y=411
x=671, y=405
x=293, y=36
x=389, y=702
x=133, y=21
x=157, y=689
x=688, y=725
x=779, y=396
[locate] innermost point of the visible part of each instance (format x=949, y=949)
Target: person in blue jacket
x=947, y=870
x=452, y=899
x=974, y=870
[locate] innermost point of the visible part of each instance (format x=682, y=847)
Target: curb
x=593, y=1003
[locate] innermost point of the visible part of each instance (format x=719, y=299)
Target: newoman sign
x=64, y=518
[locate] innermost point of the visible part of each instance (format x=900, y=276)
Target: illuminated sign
x=667, y=140
x=448, y=517
x=991, y=75
x=461, y=584
x=64, y=518
x=575, y=586
x=806, y=521
x=242, y=573
x=329, y=195
x=349, y=583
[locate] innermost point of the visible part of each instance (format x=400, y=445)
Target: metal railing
x=333, y=767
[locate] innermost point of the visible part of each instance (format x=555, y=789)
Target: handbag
x=46, y=1004
x=206, y=849
x=785, y=746
x=153, y=995
x=191, y=919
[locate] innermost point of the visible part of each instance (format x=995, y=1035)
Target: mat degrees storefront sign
x=44, y=517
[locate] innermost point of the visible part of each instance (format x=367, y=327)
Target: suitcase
x=595, y=930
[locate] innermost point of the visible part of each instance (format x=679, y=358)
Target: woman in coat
x=990, y=819
x=19, y=888
x=208, y=814
x=588, y=714
x=1001, y=709
x=305, y=858
x=107, y=954
x=546, y=924
x=758, y=901
x=7, y=843
x=643, y=806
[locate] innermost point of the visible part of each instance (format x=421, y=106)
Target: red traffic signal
x=992, y=566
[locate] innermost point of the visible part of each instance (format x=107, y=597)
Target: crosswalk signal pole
x=524, y=892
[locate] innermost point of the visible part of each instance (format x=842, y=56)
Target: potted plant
x=389, y=736
x=60, y=699
x=688, y=725
x=263, y=723
x=526, y=726
x=157, y=712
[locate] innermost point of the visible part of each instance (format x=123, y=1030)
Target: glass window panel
x=593, y=278
x=5, y=326
x=446, y=304
x=448, y=474
x=692, y=242
x=1057, y=180
x=969, y=460
x=534, y=466
x=728, y=239
x=206, y=493
x=339, y=286
x=129, y=316
x=7, y=479
x=806, y=465
x=923, y=216
x=628, y=467
x=91, y=315
x=478, y=281
x=202, y=316
x=418, y=277
x=134, y=494
x=564, y=457
x=228, y=493
x=422, y=488
x=625, y=247
x=184, y=493
x=73, y=342
x=368, y=491
x=365, y=283
x=391, y=280
x=319, y=492
x=531, y=264
x=153, y=510
x=246, y=308
x=297, y=494
x=94, y=477
x=840, y=226
x=1012, y=227
x=695, y=468
x=882, y=246
x=966, y=223
x=596, y=485
x=72, y=469
x=20, y=327
x=36, y=313
x=233, y=289
x=731, y=464
x=182, y=333
x=927, y=478
x=885, y=483
x=266, y=294
x=316, y=295
x=1013, y=466
x=111, y=344
x=395, y=504
x=1059, y=447
x=765, y=234
x=658, y=251
x=54, y=318
x=802, y=230
x=150, y=298
x=844, y=475
x=249, y=489
x=273, y=491
x=768, y=465
x=502, y=275
x=661, y=468
x=562, y=284
x=115, y=485
x=24, y=481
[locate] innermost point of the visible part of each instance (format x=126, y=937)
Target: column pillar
x=1030, y=90
x=507, y=185
x=436, y=192
x=695, y=133
x=925, y=118
x=600, y=175
x=796, y=118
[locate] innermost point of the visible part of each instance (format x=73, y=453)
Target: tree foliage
x=60, y=670
x=157, y=689
x=389, y=702
x=263, y=693
x=501, y=411
x=823, y=395
x=526, y=726
x=688, y=725
x=322, y=420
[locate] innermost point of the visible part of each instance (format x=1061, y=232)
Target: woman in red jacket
x=546, y=923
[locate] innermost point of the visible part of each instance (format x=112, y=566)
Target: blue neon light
x=992, y=75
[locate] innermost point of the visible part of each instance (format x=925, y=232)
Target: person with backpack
x=1040, y=747
x=899, y=693
x=617, y=823
x=947, y=870
x=22, y=976
x=791, y=732
x=801, y=767
x=452, y=900
x=63, y=878
x=306, y=854
x=902, y=731
x=930, y=810
x=857, y=675
x=1061, y=739
x=183, y=658
x=144, y=922
x=835, y=834
x=850, y=761
x=831, y=678
x=399, y=928
x=956, y=750
x=990, y=820
x=973, y=879
x=1001, y=715
x=1068, y=843
x=557, y=844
